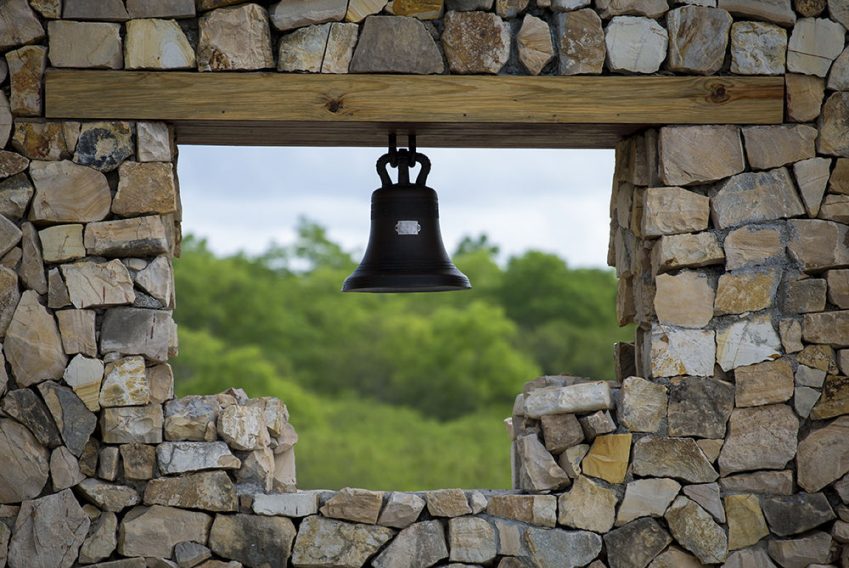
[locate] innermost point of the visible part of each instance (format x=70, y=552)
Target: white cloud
x=554, y=200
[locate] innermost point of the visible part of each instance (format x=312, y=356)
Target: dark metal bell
x=405, y=251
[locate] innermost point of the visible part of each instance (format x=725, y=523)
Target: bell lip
x=406, y=283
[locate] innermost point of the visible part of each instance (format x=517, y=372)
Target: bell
x=405, y=251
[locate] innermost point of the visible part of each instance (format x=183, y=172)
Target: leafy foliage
x=400, y=390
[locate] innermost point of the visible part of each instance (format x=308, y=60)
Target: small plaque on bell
x=408, y=227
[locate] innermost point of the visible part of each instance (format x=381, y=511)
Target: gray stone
x=763, y=437
x=539, y=510
x=182, y=457
x=812, y=177
x=291, y=14
x=823, y=455
x=396, y=44
x=674, y=352
x=243, y=427
x=778, y=11
x=643, y=405
x=191, y=553
x=447, y=503
x=706, y=495
x=680, y=458
x=101, y=540
x=191, y=418
x=160, y=8
x=15, y=195
x=838, y=77
x=139, y=461
x=111, y=10
x=31, y=270
x=649, y=8
x=636, y=544
x=581, y=39
x=588, y=506
x=693, y=154
x=749, y=558
x=48, y=532
x=341, y=43
x=804, y=399
x=208, y=490
x=75, y=421
x=64, y=469
x=98, y=284
x=417, y=546
x=817, y=244
x=635, y=44
x=699, y=407
x=27, y=408
x=801, y=552
x=561, y=431
x=107, y=496
x=833, y=138
x=646, y=498
x=795, y=514
x=746, y=341
x=134, y=331
x=327, y=542
x=694, y=529
x=550, y=548
x=758, y=49
x=104, y=145
x=154, y=531
x=576, y=398
x=219, y=49
x=303, y=49
x=85, y=44
x=755, y=196
x=698, y=38
x=18, y=25
x=295, y=505
x=31, y=468
x=767, y=482
x=475, y=42
x=540, y=471
x=401, y=510
x=814, y=44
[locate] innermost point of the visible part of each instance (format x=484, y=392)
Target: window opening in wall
x=406, y=391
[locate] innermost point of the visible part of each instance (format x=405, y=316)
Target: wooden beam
x=499, y=111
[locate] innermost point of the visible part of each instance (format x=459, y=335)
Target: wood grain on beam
x=335, y=109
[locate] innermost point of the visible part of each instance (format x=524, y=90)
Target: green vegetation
x=401, y=391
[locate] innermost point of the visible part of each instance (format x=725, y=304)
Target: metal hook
x=411, y=144
x=393, y=150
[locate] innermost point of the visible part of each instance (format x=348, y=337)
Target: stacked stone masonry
x=724, y=440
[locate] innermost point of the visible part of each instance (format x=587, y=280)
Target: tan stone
x=834, y=400
x=139, y=236
x=85, y=44
x=835, y=208
x=650, y=8
x=672, y=252
x=9, y=298
x=62, y=243
x=834, y=131
x=812, y=177
x=752, y=245
x=764, y=383
x=698, y=38
x=207, y=490
x=475, y=42
x=818, y=244
x=96, y=285
x=608, y=458
x=153, y=531
x=125, y=383
x=838, y=287
x=5, y=119
x=145, y=188
x=26, y=69
x=303, y=49
x=157, y=44
x=534, y=44
x=839, y=180
x=693, y=154
x=740, y=292
x=588, y=506
x=341, y=43
x=581, y=37
x=48, y=532
x=160, y=379
x=290, y=14
x=804, y=95
x=66, y=192
x=18, y=25
x=758, y=49
x=561, y=431
x=57, y=292
x=694, y=529
x=680, y=458
x=774, y=146
x=401, y=509
x=823, y=455
x=396, y=44
x=33, y=345
x=219, y=49
x=538, y=470
x=31, y=270
x=421, y=9
x=838, y=77
x=358, y=10
x=43, y=140
x=684, y=299
x=671, y=210
x=335, y=543
x=830, y=328
x=643, y=405
x=84, y=375
x=11, y=164
x=77, y=330
x=540, y=510
x=64, y=469
x=814, y=44
x=510, y=8
x=646, y=497
x=755, y=196
x=674, y=557
x=447, y=503
x=10, y=235
x=710, y=448
x=763, y=437
x=357, y=505
x=129, y=424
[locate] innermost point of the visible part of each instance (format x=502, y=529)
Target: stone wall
x=725, y=440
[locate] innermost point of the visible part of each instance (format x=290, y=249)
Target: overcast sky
x=553, y=200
